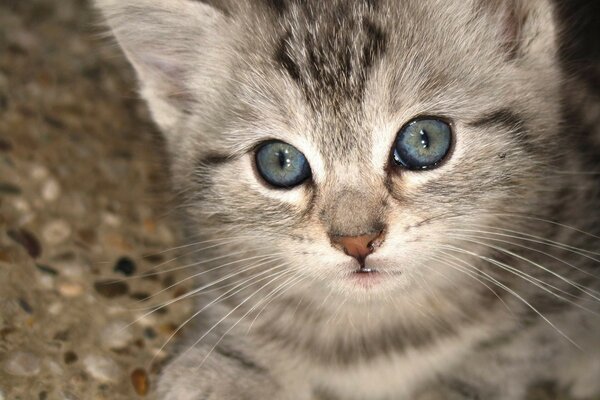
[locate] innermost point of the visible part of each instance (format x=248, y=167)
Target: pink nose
x=358, y=247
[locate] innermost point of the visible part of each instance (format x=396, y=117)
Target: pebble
x=50, y=190
x=9, y=188
x=153, y=258
x=27, y=240
x=5, y=145
x=55, y=308
x=70, y=357
x=111, y=219
x=111, y=289
x=39, y=172
x=56, y=232
x=46, y=281
x=22, y=206
x=70, y=289
x=25, y=306
x=46, y=269
x=140, y=382
x=150, y=333
x=116, y=335
x=71, y=265
x=125, y=266
x=22, y=364
x=102, y=368
x=140, y=296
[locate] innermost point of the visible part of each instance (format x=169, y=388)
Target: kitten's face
x=338, y=81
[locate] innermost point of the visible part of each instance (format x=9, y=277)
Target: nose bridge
x=353, y=212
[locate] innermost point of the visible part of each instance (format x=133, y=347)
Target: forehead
x=349, y=65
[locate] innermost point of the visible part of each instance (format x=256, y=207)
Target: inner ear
x=520, y=23
x=513, y=20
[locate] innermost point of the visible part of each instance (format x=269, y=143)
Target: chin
x=373, y=284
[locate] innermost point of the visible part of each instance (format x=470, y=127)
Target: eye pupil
x=283, y=160
x=422, y=143
x=424, y=138
x=281, y=164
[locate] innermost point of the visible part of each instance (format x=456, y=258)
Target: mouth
x=366, y=277
x=364, y=270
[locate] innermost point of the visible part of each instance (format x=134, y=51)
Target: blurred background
x=85, y=215
x=84, y=212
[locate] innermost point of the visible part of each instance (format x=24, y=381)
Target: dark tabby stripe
x=395, y=339
x=376, y=43
x=359, y=349
x=281, y=6
x=283, y=58
x=240, y=358
x=328, y=61
x=509, y=120
x=212, y=159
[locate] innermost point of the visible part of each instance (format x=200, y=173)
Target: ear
x=167, y=41
x=526, y=28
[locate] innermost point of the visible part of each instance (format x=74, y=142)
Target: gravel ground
x=83, y=215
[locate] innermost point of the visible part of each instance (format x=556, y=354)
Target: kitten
x=392, y=203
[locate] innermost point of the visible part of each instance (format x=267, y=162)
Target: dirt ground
x=84, y=215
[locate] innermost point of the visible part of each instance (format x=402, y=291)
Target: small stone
x=47, y=270
x=39, y=172
x=50, y=190
x=27, y=240
x=71, y=265
x=22, y=364
x=139, y=379
x=150, y=333
x=21, y=206
x=70, y=357
x=55, y=308
x=46, y=281
x=70, y=289
x=56, y=232
x=9, y=189
x=125, y=266
x=116, y=335
x=111, y=288
x=154, y=258
x=111, y=219
x=101, y=368
x=25, y=306
x=5, y=145
x=140, y=296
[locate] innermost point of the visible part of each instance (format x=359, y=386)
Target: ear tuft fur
x=165, y=41
x=525, y=26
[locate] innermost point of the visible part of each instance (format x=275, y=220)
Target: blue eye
x=422, y=143
x=281, y=164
